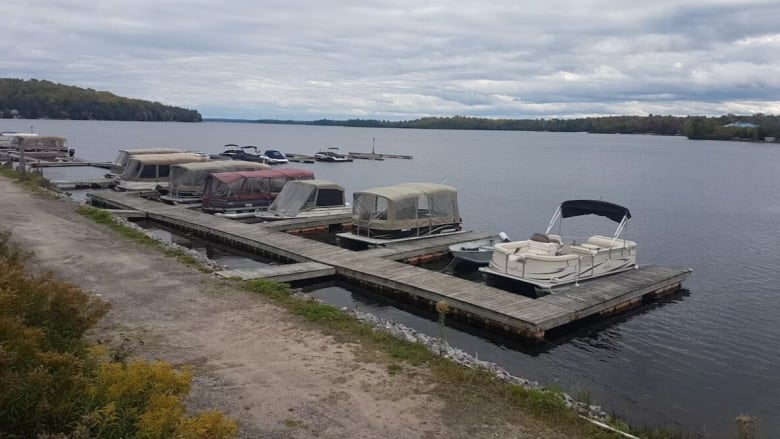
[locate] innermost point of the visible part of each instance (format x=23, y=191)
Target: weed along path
x=275, y=374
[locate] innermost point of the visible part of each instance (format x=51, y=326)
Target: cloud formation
x=406, y=59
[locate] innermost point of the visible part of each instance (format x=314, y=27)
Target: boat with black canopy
x=546, y=261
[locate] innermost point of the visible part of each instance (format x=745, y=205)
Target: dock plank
x=281, y=273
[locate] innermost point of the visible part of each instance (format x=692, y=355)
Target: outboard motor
x=71, y=152
x=504, y=237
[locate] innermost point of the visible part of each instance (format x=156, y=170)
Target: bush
x=53, y=385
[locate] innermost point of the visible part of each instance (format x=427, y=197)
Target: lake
x=694, y=361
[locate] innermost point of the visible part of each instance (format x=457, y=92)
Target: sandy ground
x=251, y=360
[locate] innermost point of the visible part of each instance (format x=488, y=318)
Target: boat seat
x=540, y=248
x=539, y=237
x=606, y=242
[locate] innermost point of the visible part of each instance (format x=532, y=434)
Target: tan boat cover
x=405, y=206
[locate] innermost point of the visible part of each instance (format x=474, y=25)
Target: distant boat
x=332, y=154
x=275, y=157
x=247, y=153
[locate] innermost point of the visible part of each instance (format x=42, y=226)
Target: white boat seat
x=539, y=248
x=606, y=242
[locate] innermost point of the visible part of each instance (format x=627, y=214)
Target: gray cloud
x=403, y=60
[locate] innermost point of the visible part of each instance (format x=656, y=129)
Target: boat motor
x=504, y=237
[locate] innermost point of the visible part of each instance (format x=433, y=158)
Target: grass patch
x=460, y=386
x=394, y=369
x=101, y=216
x=32, y=180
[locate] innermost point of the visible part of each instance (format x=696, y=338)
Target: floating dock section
x=382, y=269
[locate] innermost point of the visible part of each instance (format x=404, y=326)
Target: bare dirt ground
x=261, y=366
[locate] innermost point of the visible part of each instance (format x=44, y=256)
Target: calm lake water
x=694, y=361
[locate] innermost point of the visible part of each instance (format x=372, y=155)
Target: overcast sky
x=404, y=59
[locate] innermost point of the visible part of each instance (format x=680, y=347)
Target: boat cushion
x=605, y=242
x=542, y=248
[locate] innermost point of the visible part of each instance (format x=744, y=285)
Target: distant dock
x=299, y=158
x=377, y=156
x=384, y=270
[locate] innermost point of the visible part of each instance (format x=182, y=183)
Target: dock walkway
x=380, y=269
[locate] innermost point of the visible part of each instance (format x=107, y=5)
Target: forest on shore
x=728, y=127
x=39, y=99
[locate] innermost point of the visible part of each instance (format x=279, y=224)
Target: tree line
x=727, y=127
x=39, y=99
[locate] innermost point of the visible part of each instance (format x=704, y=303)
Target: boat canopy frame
x=572, y=208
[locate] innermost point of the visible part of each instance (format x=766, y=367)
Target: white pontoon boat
x=147, y=171
x=545, y=261
x=118, y=166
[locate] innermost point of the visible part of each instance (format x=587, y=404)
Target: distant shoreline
x=759, y=128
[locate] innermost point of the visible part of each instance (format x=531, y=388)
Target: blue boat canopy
x=612, y=211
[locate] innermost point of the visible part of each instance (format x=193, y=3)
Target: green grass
x=101, y=216
x=32, y=180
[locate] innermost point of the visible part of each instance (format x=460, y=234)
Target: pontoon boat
x=402, y=212
x=307, y=199
x=118, y=166
x=545, y=261
x=247, y=191
x=186, y=180
x=147, y=171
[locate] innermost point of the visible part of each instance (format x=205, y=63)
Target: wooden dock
x=299, y=158
x=68, y=164
x=377, y=156
x=379, y=269
x=99, y=183
x=282, y=273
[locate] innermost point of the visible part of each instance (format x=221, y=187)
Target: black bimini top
x=612, y=211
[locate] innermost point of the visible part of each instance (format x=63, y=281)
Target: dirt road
x=251, y=360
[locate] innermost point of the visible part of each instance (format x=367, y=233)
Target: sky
x=406, y=59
